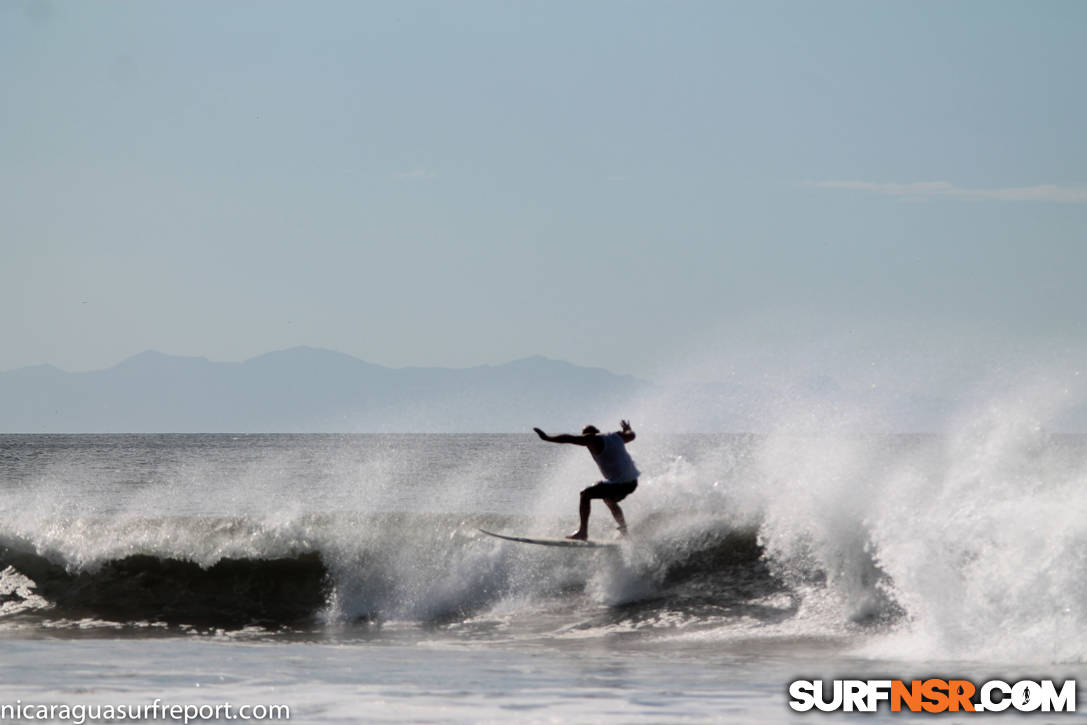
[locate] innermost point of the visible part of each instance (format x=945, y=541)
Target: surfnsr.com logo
x=932, y=695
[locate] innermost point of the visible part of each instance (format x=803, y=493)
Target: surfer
x=620, y=474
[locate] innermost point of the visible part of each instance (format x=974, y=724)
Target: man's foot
x=622, y=532
x=578, y=536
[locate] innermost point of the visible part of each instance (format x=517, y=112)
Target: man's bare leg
x=617, y=512
x=583, y=511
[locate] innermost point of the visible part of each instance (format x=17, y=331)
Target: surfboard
x=567, y=543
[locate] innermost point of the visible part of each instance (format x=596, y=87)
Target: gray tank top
x=614, y=462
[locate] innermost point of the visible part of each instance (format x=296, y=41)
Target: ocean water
x=345, y=577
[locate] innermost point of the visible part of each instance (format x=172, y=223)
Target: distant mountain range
x=305, y=390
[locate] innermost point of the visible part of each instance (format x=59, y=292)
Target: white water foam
x=967, y=546
x=987, y=551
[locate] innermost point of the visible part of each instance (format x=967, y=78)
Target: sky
x=726, y=188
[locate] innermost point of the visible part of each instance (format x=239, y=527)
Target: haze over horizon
x=313, y=390
x=158, y=353
x=886, y=194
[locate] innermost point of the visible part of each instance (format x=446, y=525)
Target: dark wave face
x=143, y=587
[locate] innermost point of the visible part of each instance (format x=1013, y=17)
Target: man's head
x=590, y=430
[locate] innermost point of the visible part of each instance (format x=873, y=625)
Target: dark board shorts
x=613, y=491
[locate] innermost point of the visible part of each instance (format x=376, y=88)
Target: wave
x=970, y=545
x=230, y=573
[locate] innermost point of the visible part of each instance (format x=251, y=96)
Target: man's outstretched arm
x=563, y=438
x=625, y=431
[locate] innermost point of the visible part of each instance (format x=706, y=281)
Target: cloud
x=923, y=190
